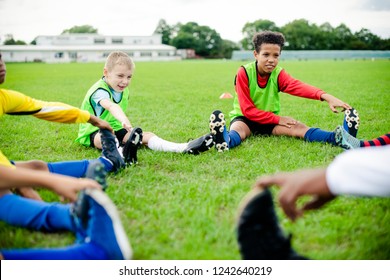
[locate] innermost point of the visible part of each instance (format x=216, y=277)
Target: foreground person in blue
x=360, y=172
x=92, y=217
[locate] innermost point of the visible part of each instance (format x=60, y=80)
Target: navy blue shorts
x=256, y=128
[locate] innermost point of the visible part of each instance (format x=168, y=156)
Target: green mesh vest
x=85, y=130
x=266, y=99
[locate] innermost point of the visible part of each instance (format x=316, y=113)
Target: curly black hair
x=267, y=37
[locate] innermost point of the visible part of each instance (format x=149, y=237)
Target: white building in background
x=89, y=48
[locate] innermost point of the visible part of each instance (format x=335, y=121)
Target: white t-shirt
x=361, y=172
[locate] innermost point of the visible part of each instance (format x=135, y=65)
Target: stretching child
x=108, y=99
x=256, y=105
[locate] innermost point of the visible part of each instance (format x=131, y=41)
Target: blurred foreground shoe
x=132, y=145
x=217, y=126
x=199, y=145
x=105, y=228
x=258, y=233
x=97, y=220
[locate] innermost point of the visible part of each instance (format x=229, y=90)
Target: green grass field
x=176, y=206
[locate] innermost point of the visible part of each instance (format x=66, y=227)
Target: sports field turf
x=176, y=206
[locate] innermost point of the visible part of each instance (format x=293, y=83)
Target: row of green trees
x=300, y=35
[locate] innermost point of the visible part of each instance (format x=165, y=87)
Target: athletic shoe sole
x=132, y=145
x=217, y=127
x=351, y=121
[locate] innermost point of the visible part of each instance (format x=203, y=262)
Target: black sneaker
x=217, y=126
x=132, y=145
x=258, y=233
x=199, y=145
x=110, y=150
x=351, y=121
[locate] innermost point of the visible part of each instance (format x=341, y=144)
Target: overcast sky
x=26, y=19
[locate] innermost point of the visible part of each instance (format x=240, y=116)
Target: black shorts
x=120, y=134
x=256, y=128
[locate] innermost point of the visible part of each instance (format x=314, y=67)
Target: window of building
x=73, y=55
x=59, y=55
x=117, y=40
x=99, y=40
x=146, y=53
x=163, y=53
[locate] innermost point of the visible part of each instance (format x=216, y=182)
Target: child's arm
x=65, y=186
x=95, y=121
x=295, y=87
x=334, y=102
x=117, y=112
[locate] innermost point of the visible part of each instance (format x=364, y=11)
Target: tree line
x=299, y=34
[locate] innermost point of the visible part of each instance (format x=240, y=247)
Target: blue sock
x=33, y=214
x=84, y=251
x=319, y=135
x=76, y=168
x=234, y=139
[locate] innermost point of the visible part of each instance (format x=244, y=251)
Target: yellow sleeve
x=16, y=103
x=4, y=161
x=61, y=112
x=13, y=102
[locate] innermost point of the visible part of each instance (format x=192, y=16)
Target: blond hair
x=118, y=58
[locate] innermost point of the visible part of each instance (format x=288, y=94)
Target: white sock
x=157, y=144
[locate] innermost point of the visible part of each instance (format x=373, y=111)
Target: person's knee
x=299, y=130
x=146, y=137
x=242, y=129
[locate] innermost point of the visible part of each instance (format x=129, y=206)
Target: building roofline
x=114, y=47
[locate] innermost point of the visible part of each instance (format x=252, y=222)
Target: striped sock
x=380, y=141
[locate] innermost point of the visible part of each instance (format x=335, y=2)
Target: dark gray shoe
x=258, y=233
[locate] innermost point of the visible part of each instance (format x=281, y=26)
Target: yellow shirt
x=16, y=103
